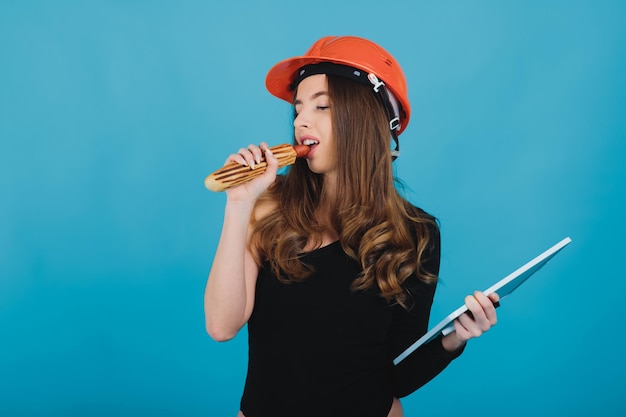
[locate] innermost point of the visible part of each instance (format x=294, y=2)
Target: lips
x=311, y=142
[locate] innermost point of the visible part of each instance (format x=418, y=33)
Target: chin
x=320, y=167
x=315, y=168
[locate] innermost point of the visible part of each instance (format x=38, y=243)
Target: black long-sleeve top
x=318, y=348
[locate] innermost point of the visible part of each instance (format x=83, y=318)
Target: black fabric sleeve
x=409, y=324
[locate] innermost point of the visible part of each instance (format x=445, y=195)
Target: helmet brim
x=280, y=77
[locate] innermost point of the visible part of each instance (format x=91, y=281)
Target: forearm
x=452, y=342
x=226, y=294
x=422, y=366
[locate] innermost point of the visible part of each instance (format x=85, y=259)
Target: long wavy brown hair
x=377, y=227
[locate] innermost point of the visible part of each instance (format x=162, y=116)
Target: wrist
x=452, y=342
x=239, y=209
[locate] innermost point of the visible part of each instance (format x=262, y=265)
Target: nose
x=301, y=121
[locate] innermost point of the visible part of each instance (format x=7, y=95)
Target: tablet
x=503, y=287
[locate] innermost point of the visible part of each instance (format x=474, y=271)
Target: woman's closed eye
x=321, y=108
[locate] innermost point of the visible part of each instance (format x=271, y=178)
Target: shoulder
x=420, y=219
x=263, y=208
x=427, y=238
x=414, y=210
x=268, y=202
x=260, y=220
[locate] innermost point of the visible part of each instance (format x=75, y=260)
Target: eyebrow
x=313, y=97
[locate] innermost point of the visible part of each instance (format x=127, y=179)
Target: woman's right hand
x=251, y=156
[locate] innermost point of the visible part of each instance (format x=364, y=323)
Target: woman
x=331, y=268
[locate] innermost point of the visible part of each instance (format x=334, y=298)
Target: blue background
x=113, y=112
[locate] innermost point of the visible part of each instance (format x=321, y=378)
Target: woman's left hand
x=480, y=318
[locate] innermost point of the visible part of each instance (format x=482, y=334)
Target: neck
x=329, y=195
x=326, y=209
x=330, y=186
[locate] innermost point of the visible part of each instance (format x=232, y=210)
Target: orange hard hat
x=351, y=51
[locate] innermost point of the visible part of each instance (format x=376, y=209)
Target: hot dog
x=234, y=174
